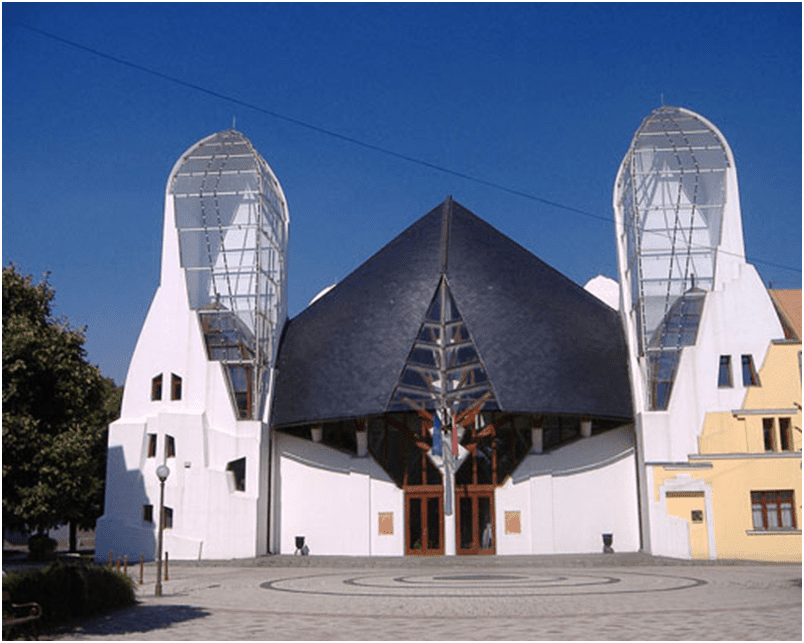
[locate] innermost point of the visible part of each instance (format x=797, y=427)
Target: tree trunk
x=73, y=546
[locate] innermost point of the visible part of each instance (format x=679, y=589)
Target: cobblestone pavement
x=521, y=598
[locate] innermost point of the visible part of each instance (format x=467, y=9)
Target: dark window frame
x=175, y=387
x=156, y=388
x=151, y=446
x=170, y=446
x=764, y=500
x=786, y=442
x=750, y=376
x=768, y=431
x=147, y=513
x=724, y=379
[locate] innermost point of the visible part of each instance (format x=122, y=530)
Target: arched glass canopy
x=232, y=222
x=671, y=193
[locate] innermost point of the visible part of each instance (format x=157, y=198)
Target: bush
x=70, y=591
x=41, y=547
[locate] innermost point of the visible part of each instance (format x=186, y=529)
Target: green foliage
x=56, y=407
x=70, y=591
x=41, y=547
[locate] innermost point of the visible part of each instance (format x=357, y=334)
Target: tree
x=56, y=409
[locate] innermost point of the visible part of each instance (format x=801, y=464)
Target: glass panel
x=749, y=373
x=724, y=374
x=786, y=442
x=434, y=523
x=456, y=384
x=415, y=523
x=466, y=511
x=484, y=522
x=772, y=509
x=787, y=514
x=767, y=433
x=756, y=513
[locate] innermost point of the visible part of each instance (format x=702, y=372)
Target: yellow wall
x=779, y=378
x=780, y=388
x=731, y=482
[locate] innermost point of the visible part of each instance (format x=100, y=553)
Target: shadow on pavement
x=140, y=618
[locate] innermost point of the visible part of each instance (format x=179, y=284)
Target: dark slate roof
x=547, y=344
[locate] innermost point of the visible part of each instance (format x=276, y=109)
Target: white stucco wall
x=569, y=497
x=333, y=499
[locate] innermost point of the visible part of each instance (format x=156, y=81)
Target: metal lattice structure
x=671, y=192
x=443, y=370
x=232, y=220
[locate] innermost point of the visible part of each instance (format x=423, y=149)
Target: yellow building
x=741, y=495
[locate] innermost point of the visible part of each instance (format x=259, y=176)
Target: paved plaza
x=604, y=597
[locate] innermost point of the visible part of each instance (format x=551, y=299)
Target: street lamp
x=162, y=472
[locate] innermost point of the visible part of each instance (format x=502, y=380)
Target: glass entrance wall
x=670, y=195
x=444, y=369
x=232, y=221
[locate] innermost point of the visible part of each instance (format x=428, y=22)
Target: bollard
x=166, y=565
x=125, y=564
x=111, y=558
x=141, y=563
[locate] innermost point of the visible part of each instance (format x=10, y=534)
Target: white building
x=197, y=391
x=453, y=395
x=694, y=312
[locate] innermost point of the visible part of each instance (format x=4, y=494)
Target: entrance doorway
x=425, y=518
x=475, y=521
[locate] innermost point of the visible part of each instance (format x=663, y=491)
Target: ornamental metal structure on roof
x=232, y=222
x=448, y=314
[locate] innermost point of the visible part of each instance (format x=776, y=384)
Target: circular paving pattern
x=480, y=584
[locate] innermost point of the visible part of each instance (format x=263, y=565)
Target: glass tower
x=232, y=222
x=669, y=201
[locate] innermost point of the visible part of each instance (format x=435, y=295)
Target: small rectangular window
x=156, y=388
x=175, y=387
x=767, y=433
x=773, y=510
x=238, y=470
x=170, y=446
x=167, y=514
x=724, y=374
x=750, y=377
x=151, y=437
x=148, y=513
x=785, y=436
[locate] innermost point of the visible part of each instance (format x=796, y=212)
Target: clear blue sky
x=541, y=99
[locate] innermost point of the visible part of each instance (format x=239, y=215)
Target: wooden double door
x=474, y=521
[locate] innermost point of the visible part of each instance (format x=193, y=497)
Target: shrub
x=41, y=547
x=71, y=590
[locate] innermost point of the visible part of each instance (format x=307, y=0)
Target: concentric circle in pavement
x=458, y=585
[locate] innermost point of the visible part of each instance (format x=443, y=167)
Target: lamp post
x=162, y=472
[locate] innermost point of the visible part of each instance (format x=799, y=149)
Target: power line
x=343, y=137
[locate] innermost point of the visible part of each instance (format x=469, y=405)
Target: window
x=724, y=374
x=785, y=436
x=750, y=377
x=175, y=387
x=767, y=433
x=238, y=470
x=772, y=510
x=167, y=514
x=156, y=388
x=148, y=513
x=151, y=437
x=170, y=446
